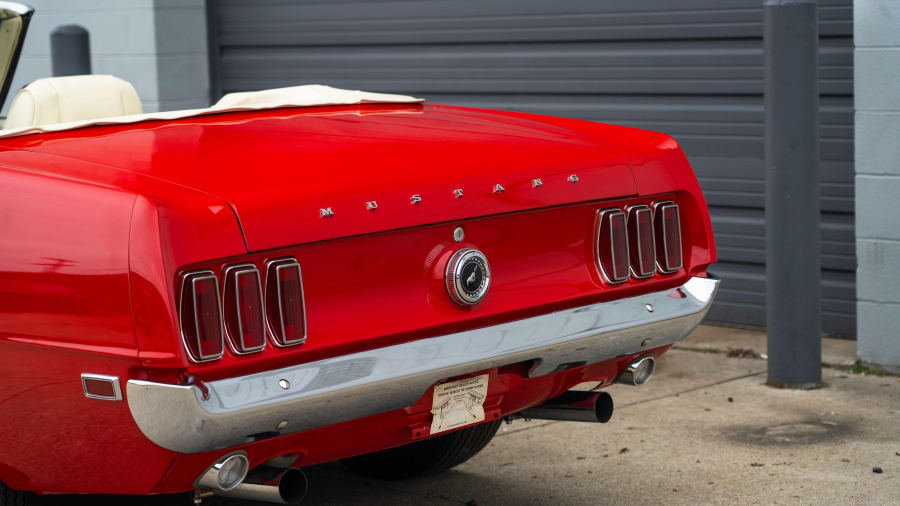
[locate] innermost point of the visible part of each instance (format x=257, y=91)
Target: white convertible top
x=295, y=96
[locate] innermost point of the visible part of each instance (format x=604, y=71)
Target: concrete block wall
x=157, y=45
x=877, y=100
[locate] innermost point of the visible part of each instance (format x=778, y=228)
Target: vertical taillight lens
x=641, y=243
x=285, y=309
x=668, y=236
x=244, y=319
x=201, y=316
x=612, y=245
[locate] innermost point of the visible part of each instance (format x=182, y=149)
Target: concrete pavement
x=706, y=430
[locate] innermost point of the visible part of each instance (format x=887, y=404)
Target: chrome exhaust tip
x=638, y=372
x=225, y=473
x=272, y=482
x=574, y=406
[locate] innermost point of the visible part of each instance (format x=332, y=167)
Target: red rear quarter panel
x=65, y=309
x=71, y=265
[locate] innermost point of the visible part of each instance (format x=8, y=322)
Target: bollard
x=70, y=51
x=792, y=194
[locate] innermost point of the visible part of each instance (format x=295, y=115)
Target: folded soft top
x=295, y=96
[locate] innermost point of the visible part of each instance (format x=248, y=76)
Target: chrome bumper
x=248, y=408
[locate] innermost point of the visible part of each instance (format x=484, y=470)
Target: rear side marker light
x=667, y=224
x=201, y=316
x=612, y=246
x=245, y=324
x=101, y=386
x=285, y=307
x=641, y=241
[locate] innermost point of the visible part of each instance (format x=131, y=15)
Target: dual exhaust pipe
x=576, y=406
x=230, y=476
x=276, y=482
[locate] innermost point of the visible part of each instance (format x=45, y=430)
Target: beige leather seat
x=72, y=98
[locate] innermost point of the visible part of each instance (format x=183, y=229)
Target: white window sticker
x=458, y=403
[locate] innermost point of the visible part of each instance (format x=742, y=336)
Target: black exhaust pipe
x=574, y=406
x=272, y=485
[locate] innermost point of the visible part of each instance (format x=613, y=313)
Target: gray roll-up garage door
x=691, y=68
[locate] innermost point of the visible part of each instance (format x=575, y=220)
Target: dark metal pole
x=70, y=50
x=792, y=193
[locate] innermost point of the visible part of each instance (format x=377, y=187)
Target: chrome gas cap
x=467, y=277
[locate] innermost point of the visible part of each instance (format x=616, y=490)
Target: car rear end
x=314, y=285
x=333, y=349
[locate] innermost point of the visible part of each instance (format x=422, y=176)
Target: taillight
x=668, y=236
x=641, y=243
x=612, y=245
x=201, y=316
x=244, y=319
x=285, y=310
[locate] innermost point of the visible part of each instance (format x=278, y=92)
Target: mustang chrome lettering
x=498, y=189
x=415, y=199
x=458, y=193
x=371, y=205
x=573, y=178
x=326, y=212
x=536, y=183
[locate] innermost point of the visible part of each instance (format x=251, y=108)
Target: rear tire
x=430, y=456
x=9, y=497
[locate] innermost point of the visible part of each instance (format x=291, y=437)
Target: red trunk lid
x=280, y=168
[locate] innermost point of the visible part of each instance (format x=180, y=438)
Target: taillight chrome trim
x=277, y=265
x=658, y=209
x=605, y=214
x=193, y=277
x=237, y=270
x=636, y=209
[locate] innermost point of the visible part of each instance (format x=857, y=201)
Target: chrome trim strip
x=248, y=408
x=114, y=380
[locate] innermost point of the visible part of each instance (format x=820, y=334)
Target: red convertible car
x=206, y=301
